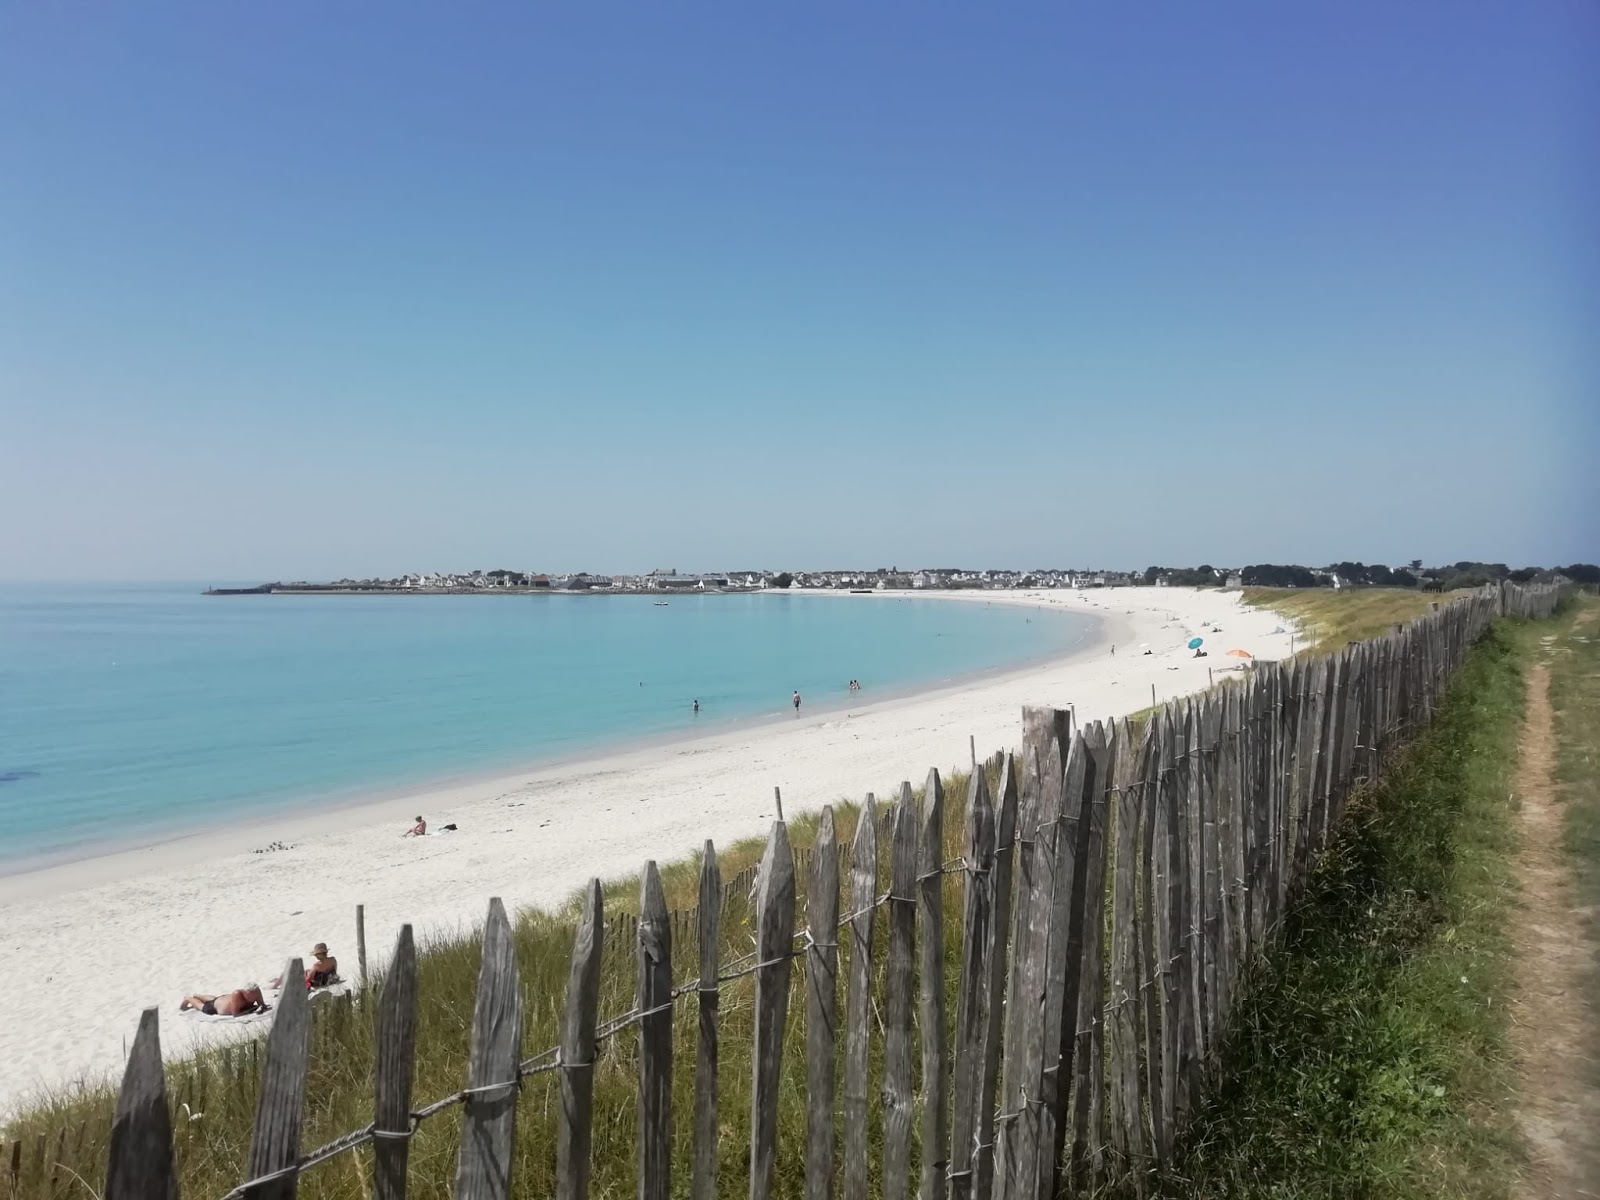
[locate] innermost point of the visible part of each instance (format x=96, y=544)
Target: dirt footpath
x=1552, y=1021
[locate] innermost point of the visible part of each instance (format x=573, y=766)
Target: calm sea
x=133, y=712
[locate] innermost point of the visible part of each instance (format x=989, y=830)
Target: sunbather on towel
x=237, y=1003
x=323, y=971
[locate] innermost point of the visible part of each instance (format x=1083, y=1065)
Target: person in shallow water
x=238, y=1003
x=797, y=703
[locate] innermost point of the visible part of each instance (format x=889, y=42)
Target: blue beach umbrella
x=1194, y=643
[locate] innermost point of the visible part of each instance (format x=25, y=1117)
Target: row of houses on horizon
x=671, y=580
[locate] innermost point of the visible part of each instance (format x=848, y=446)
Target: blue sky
x=297, y=291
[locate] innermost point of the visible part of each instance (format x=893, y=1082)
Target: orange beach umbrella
x=1241, y=654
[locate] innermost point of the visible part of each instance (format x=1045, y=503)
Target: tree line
x=1446, y=577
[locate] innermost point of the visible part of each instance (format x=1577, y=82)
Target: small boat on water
x=660, y=603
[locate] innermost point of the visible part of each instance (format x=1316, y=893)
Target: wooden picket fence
x=1115, y=888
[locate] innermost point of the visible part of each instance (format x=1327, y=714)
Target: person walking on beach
x=797, y=703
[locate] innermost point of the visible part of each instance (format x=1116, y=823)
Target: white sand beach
x=93, y=942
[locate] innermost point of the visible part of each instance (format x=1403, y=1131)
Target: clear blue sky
x=294, y=290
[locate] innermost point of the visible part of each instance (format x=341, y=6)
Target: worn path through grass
x=1555, y=1031
x=1370, y=1056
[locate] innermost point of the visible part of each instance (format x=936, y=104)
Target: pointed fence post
x=575, y=1120
x=858, y=1001
x=1128, y=955
x=396, y=1062
x=998, y=967
x=822, y=1003
x=775, y=903
x=361, y=947
x=140, y=1166
x=275, y=1142
x=655, y=1039
x=972, y=995
x=1017, y=1132
x=489, y=1115
x=1063, y=964
x=703, y=1164
x=931, y=993
x=1088, y=1056
x=897, y=1095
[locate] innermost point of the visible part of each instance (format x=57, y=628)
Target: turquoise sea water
x=133, y=712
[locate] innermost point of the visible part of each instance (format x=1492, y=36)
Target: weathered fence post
x=822, y=1000
x=858, y=1000
x=931, y=993
x=703, y=1165
x=972, y=995
x=361, y=947
x=1155, y=952
x=489, y=1117
x=395, y=1063
x=775, y=903
x=1182, y=992
x=1063, y=964
x=655, y=1039
x=575, y=1119
x=997, y=966
x=140, y=1165
x=897, y=1096
x=1016, y=1132
x=1128, y=969
x=1088, y=1059
x=275, y=1141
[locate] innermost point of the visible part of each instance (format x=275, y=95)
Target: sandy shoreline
x=205, y=913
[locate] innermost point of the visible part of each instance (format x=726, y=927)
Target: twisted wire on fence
x=537, y=1064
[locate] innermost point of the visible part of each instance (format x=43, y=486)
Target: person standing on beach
x=797, y=703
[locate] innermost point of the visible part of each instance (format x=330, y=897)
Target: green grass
x=1575, y=696
x=1331, y=618
x=1370, y=1057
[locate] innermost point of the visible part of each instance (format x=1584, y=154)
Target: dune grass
x=1329, y=618
x=1370, y=1055
x=222, y=1086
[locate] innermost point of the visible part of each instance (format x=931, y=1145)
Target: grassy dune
x=1331, y=618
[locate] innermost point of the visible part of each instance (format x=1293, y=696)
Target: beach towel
x=194, y=1014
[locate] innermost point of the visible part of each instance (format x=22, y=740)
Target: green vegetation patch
x=1370, y=1056
x=1575, y=696
x=1329, y=618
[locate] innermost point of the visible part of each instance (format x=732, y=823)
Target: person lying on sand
x=237, y=1003
x=417, y=830
x=323, y=970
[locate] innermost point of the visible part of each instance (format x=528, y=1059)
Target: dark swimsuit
x=209, y=1007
